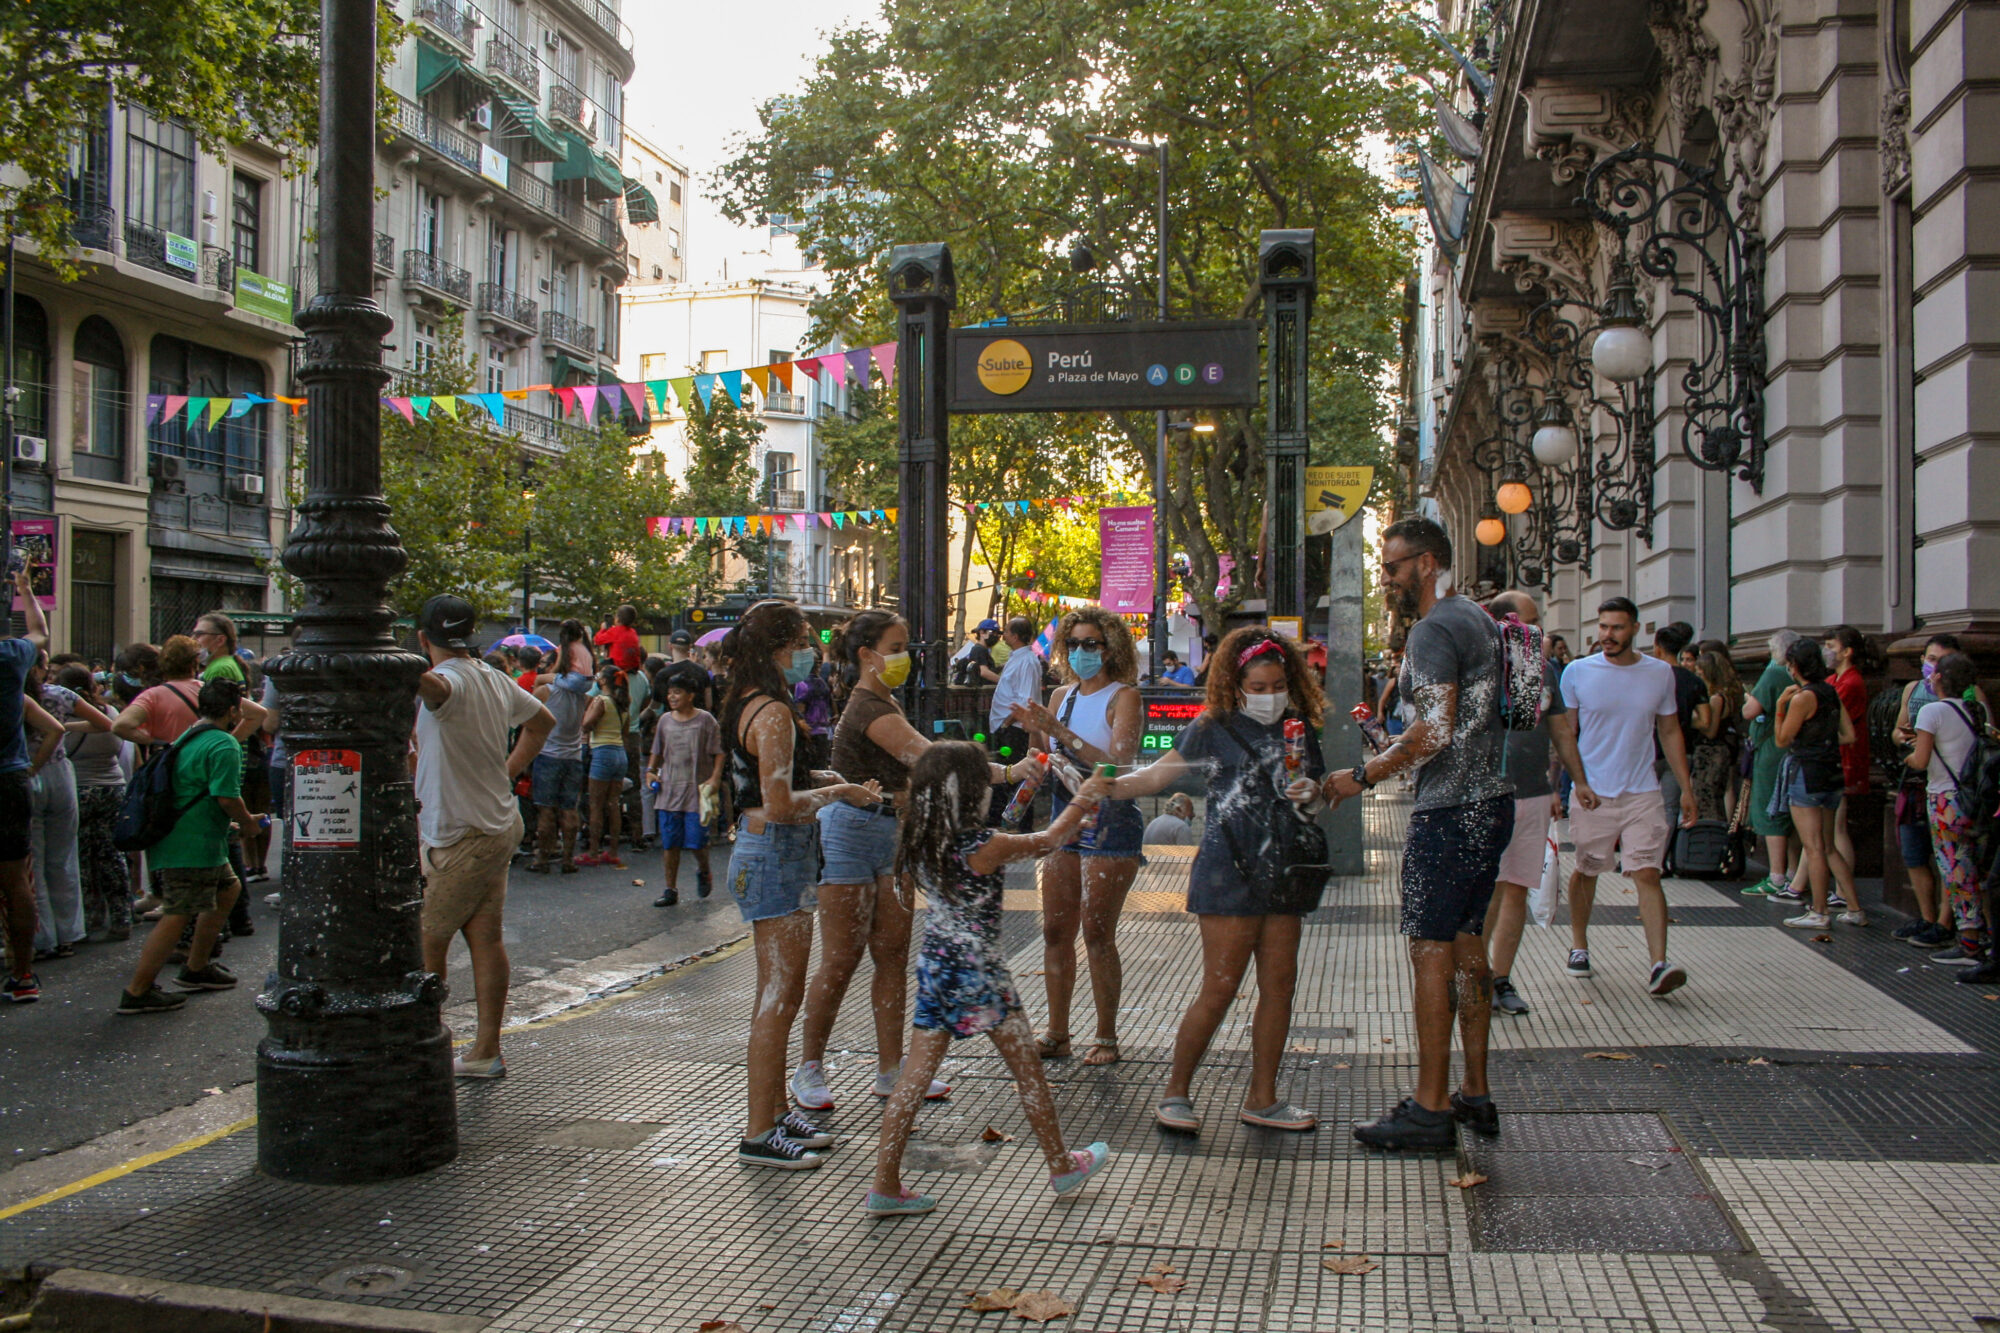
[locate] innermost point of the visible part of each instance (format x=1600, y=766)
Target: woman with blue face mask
x=862, y=906
x=1095, y=717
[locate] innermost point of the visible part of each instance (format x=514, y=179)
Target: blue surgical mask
x=803, y=662
x=1085, y=662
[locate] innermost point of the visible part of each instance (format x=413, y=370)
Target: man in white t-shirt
x=467, y=817
x=1622, y=701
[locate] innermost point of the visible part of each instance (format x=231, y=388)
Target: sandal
x=1280, y=1115
x=1051, y=1047
x=1101, y=1044
x=1178, y=1114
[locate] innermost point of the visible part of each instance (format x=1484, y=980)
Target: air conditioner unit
x=551, y=38
x=248, y=486
x=208, y=207
x=482, y=116
x=31, y=449
x=211, y=232
x=166, y=467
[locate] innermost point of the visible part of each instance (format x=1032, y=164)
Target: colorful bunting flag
x=885, y=359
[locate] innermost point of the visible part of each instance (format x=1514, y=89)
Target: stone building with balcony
x=503, y=195
x=679, y=329
x=186, y=262
x=659, y=252
x=1715, y=290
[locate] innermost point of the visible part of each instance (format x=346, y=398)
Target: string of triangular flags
x=646, y=398
x=679, y=525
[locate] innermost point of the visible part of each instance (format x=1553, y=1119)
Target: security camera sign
x=326, y=800
x=1334, y=495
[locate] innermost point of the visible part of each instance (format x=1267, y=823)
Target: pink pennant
x=177, y=401
x=857, y=365
x=826, y=520
x=635, y=394
x=586, y=399
x=808, y=365
x=400, y=404
x=568, y=399
x=885, y=360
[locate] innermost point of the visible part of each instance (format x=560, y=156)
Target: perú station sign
x=1099, y=367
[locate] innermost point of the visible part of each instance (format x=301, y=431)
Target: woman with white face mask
x=1242, y=890
x=861, y=904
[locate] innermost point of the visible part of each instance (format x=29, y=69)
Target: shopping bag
x=1547, y=895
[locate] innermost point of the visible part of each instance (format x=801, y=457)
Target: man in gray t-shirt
x=1464, y=814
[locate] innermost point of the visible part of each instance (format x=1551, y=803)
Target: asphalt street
x=71, y=1069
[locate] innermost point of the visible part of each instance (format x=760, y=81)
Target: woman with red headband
x=1247, y=888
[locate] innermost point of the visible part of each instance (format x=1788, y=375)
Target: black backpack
x=148, y=813
x=1978, y=778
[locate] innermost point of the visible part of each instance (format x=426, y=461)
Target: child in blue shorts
x=685, y=760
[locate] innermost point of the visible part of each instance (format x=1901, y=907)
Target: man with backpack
x=205, y=798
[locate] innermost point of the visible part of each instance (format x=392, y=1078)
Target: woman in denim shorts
x=1094, y=718
x=1811, y=728
x=863, y=906
x=776, y=859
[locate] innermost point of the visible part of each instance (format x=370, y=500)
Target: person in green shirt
x=193, y=860
x=1760, y=710
x=215, y=633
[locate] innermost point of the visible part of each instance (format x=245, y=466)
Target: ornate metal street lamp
x=1674, y=222
x=354, y=1076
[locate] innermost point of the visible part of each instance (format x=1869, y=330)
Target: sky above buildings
x=704, y=67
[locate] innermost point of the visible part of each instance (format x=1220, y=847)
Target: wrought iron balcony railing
x=514, y=63
x=513, y=307
x=427, y=270
x=560, y=328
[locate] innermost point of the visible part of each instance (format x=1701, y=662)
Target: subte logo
x=1005, y=367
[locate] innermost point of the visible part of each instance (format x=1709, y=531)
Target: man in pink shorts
x=1622, y=701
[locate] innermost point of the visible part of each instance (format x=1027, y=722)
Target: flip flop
x=1178, y=1114
x=1051, y=1047
x=1102, y=1044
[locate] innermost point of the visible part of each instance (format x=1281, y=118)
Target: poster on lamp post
x=35, y=539
x=1334, y=495
x=1125, y=548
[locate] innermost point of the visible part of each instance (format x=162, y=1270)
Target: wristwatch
x=1360, y=775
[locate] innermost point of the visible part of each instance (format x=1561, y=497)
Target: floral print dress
x=963, y=986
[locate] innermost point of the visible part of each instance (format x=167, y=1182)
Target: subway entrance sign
x=1101, y=367
x=1166, y=718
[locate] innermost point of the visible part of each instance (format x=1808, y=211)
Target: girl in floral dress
x=963, y=987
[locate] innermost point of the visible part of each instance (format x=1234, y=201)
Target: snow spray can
x=1295, y=746
x=1087, y=836
x=1016, y=813
x=1361, y=712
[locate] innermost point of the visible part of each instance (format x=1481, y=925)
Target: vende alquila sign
x=1095, y=367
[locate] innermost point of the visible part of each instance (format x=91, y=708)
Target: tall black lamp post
x=354, y=1076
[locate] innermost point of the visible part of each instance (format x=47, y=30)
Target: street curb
x=77, y=1300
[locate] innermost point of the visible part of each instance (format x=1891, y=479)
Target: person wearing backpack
x=1950, y=737
x=192, y=860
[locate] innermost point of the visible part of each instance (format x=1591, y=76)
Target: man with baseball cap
x=974, y=664
x=467, y=819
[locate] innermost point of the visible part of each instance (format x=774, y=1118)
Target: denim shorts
x=771, y=874
x=1451, y=857
x=681, y=830
x=1914, y=840
x=607, y=763
x=858, y=845
x=1121, y=829
x=558, y=782
x=1797, y=795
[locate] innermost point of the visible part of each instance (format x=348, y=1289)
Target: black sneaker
x=1909, y=929
x=1836, y=903
x=803, y=1131
x=1789, y=894
x=704, y=883
x=154, y=1001
x=1579, y=962
x=213, y=977
x=1506, y=999
x=1666, y=978
x=22, y=990
x=1957, y=955
x=774, y=1149
x=1934, y=935
x=1481, y=1115
x=1410, y=1126
x=1985, y=974
x=667, y=898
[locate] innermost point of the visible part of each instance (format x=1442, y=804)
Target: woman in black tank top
x=862, y=906
x=1812, y=726
x=773, y=863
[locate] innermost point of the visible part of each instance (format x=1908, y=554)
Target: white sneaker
x=1809, y=921
x=464, y=1068
x=885, y=1084
x=1852, y=918
x=809, y=1087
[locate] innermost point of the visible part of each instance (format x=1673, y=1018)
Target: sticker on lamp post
x=326, y=800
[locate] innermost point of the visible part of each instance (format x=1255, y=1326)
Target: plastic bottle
x=1016, y=813
x=1295, y=746
x=1087, y=835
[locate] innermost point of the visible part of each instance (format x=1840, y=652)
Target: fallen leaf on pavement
x=1299, y=1048
x=1469, y=1179
x=1340, y=1244
x=992, y=1135
x=1347, y=1265
x=1989, y=996
x=213, y=1092
x=1042, y=1306
x=1343, y=1065
x=985, y=1302
x=638, y=883
x=1756, y=1060
x=1609, y=1055
x=767, y=1307
x=722, y=1326
x=1165, y=1284
x=1162, y=1267
x=1586, y=1002
x=1822, y=939
x=1659, y=1066
x=1388, y=1041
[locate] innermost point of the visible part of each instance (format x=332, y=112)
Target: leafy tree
x=592, y=545
x=964, y=120
x=232, y=70
x=722, y=479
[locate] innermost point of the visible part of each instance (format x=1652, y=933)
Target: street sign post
x=1104, y=367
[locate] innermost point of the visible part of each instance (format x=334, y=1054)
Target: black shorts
x=15, y=812
x=1450, y=858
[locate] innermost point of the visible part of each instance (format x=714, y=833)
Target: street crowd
x=139, y=792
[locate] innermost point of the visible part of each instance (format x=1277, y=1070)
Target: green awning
x=640, y=205
x=600, y=176
x=434, y=66
x=539, y=140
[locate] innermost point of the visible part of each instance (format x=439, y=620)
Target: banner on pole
x=1125, y=543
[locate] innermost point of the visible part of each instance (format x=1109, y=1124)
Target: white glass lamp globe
x=1554, y=445
x=1622, y=353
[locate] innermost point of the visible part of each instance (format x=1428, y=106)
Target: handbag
x=1295, y=867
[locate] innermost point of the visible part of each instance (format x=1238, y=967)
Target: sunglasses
x=1088, y=645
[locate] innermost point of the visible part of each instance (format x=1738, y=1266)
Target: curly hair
x=1225, y=675
x=747, y=651
x=950, y=790
x=1121, y=658
x=180, y=657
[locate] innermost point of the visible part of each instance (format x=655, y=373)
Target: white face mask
x=1266, y=708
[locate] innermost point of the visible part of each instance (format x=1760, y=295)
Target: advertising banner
x=182, y=252
x=1125, y=538
x=1097, y=367
x=263, y=296
x=35, y=539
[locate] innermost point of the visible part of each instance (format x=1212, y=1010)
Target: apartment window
x=31, y=366
x=97, y=444
x=502, y=251
x=607, y=324
x=93, y=590
x=159, y=172
x=564, y=294
x=89, y=189
x=246, y=221
x=569, y=61
x=235, y=445
x=780, y=474
x=714, y=359
x=611, y=125
x=653, y=366
x=674, y=192
x=498, y=361
x=423, y=344
x=430, y=223
x=674, y=242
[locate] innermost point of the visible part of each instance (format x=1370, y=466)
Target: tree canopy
x=964, y=121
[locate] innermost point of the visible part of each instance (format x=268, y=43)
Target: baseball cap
x=448, y=621
x=680, y=636
x=986, y=625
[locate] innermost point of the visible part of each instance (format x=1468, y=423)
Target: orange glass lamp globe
x=1514, y=498
x=1490, y=532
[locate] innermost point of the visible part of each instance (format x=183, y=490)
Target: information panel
x=1166, y=719
x=1096, y=367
